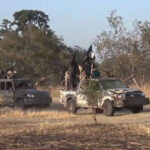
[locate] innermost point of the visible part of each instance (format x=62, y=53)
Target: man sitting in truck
x=95, y=73
x=11, y=73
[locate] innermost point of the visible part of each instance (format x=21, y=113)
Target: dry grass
x=54, y=129
x=45, y=114
x=48, y=130
x=72, y=136
x=143, y=128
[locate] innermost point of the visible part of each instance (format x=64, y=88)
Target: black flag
x=90, y=53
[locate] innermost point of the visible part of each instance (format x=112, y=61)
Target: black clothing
x=72, y=68
x=2, y=74
x=87, y=66
x=62, y=77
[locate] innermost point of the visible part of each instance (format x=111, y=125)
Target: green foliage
x=79, y=53
x=6, y=26
x=36, y=18
x=92, y=85
x=36, y=52
x=92, y=92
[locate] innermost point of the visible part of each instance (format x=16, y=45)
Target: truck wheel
x=108, y=108
x=20, y=104
x=71, y=107
x=137, y=109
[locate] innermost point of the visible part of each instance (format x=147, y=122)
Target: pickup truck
x=21, y=93
x=113, y=95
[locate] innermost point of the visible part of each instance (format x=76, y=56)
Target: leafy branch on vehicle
x=92, y=94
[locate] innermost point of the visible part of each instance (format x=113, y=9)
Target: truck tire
x=20, y=104
x=108, y=108
x=71, y=107
x=137, y=109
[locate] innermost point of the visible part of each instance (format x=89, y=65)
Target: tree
x=123, y=52
x=78, y=52
x=6, y=25
x=33, y=48
x=25, y=18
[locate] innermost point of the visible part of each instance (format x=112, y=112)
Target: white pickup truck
x=113, y=95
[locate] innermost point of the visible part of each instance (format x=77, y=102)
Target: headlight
x=121, y=96
x=30, y=95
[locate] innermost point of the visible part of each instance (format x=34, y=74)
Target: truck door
x=9, y=93
x=2, y=93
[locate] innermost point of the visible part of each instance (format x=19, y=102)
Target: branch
x=129, y=78
x=136, y=83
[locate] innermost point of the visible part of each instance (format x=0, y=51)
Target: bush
x=92, y=92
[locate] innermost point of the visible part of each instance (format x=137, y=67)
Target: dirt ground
x=55, y=129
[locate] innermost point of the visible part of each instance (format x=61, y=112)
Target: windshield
x=23, y=84
x=112, y=84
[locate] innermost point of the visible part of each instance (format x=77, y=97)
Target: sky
x=80, y=21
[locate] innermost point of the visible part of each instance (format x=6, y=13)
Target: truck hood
x=35, y=92
x=123, y=90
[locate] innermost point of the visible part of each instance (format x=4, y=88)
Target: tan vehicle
x=21, y=93
x=113, y=95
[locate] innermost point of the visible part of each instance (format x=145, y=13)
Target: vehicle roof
x=4, y=80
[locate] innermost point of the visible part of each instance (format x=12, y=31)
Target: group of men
x=10, y=73
x=74, y=72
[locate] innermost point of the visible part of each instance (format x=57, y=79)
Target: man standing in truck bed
x=72, y=69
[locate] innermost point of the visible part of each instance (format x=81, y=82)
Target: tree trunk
x=136, y=83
